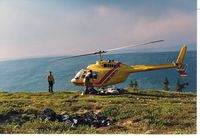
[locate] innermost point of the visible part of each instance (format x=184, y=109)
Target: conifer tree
x=133, y=84
x=180, y=86
x=166, y=84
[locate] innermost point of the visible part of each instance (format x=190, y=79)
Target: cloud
x=26, y=32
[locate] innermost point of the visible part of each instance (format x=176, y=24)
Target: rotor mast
x=100, y=57
x=100, y=54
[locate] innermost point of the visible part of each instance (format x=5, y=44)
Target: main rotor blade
x=129, y=46
x=114, y=49
x=94, y=53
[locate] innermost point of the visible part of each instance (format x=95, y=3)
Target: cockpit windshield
x=77, y=76
x=82, y=73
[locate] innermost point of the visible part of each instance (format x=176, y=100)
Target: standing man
x=50, y=81
x=87, y=82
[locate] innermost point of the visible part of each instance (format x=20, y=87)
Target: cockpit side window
x=109, y=65
x=84, y=74
x=95, y=74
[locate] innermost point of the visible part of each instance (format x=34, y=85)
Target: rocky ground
x=135, y=112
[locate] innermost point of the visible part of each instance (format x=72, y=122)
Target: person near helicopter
x=88, y=82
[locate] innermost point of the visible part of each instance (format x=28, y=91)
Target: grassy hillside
x=140, y=112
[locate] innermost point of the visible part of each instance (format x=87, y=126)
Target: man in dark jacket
x=50, y=81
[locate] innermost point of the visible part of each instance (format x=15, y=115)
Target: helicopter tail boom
x=178, y=65
x=142, y=68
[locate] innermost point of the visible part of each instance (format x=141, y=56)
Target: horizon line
x=59, y=56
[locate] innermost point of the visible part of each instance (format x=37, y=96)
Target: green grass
x=140, y=112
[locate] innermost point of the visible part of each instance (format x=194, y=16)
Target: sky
x=32, y=28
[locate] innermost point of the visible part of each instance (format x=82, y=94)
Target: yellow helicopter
x=109, y=72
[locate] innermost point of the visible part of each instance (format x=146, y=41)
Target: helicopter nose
x=73, y=80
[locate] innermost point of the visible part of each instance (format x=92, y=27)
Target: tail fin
x=179, y=62
x=181, y=55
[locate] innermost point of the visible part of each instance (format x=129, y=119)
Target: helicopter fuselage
x=112, y=72
x=104, y=73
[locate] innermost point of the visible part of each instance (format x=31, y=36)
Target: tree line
x=180, y=86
